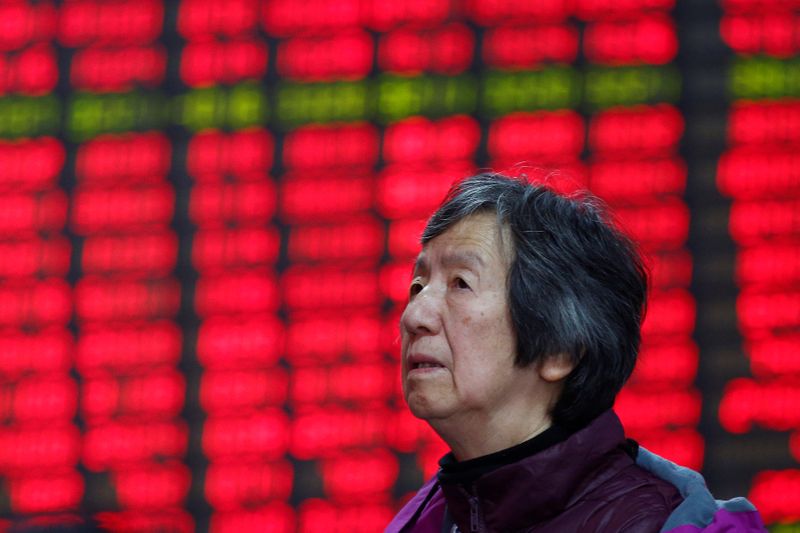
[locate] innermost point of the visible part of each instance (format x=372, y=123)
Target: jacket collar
x=543, y=484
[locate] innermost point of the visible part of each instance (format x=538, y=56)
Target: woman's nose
x=422, y=315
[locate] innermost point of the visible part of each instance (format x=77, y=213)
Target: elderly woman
x=522, y=326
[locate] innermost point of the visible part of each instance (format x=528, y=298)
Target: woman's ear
x=556, y=367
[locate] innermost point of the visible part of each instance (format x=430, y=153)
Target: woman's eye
x=461, y=284
x=415, y=288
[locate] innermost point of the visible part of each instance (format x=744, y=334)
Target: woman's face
x=458, y=344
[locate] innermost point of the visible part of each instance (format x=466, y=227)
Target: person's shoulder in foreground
x=612, y=488
x=523, y=323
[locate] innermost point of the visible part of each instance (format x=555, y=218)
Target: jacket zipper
x=475, y=522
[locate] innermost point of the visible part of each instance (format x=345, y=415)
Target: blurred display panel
x=759, y=173
x=209, y=211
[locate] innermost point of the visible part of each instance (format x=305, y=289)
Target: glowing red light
x=216, y=249
x=670, y=269
x=320, y=516
x=776, y=495
x=546, y=136
x=35, y=302
x=208, y=62
x=306, y=287
x=682, y=446
x=594, y=9
x=348, y=384
x=345, y=56
x=395, y=281
x=759, y=310
x=514, y=47
x=247, y=291
x=495, y=12
x=419, y=139
x=28, y=213
x=753, y=222
x=644, y=130
x=26, y=22
x=149, y=254
x=773, y=404
x=152, y=486
x=265, y=434
x=406, y=432
x=765, y=173
x=276, y=517
x=112, y=209
x=447, y=50
x=323, y=339
x=353, y=240
x=32, y=71
x=428, y=456
x=48, y=350
x=315, y=147
x=404, y=237
x=765, y=122
x=104, y=299
x=200, y=18
x=661, y=226
x=85, y=22
x=650, y=39
x=24, y=448
x=283, y=18
x=245, y=485
x=670, y=312
x=118, y=69
x=114, y=444
x=233, y=390
x=325, y=431
x=383, y=16
x=31, y=164
x=214, y=204
x=147, y=519
x=238, y=342
x=646, y=408
x=770, y=264
x=43, y=493
x=213, y=154
x=34, y=257
x=130, y=157
x=309, y=385
x=774, y=355
x=123, y=349
x=637, y=179
x=405, y=191
x=44, y=398
x=794, y=445
x=674, y=363
x=565, y=177
x=343, y=383
x=316, y=199
x=157, y=394
x=772, y=33
x=359, y=474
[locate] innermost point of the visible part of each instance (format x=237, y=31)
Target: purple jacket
x=588, y=482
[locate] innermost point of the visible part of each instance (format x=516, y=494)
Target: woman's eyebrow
x=420, y=264
x=467, y=258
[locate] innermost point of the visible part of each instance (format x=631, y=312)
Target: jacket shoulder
x=633, y=501
x=699, y=511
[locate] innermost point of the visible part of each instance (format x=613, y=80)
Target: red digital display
x=446, y=49
x=210, y=210
x=346, y=56
x=757, y=172
x=521, y=47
